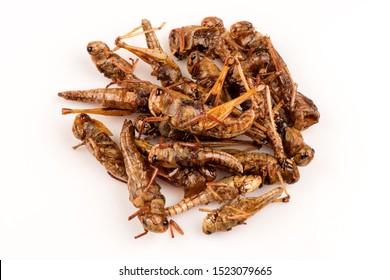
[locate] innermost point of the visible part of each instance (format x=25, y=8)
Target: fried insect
x=144, y=192
x=110, y=64
x=202, y=69
x=192, y=116
x=160, y=129
x=96, y=137
x=187, y=155
x=191, y=179
x=264, y=62
x=164, y=68
x=236, y=213
x=224, y=190
x=268, y=167
x=211, y=38
x=122, y=100
x=296, y=148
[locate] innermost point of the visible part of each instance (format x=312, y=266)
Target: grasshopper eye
x=193, y=57
x=159, y=91
x=154, y=158
x=89, y=49
x=165, y=223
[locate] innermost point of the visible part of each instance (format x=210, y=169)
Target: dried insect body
x=211, y=38
x=131, y=100
x=187, y=155
x=236, y=213
x=110, y=64
x=305, y=112
x=192, y=116
x=268, y=167
x=96, y=137
x=164, y=68
x=202, y=69
x=296, y=148
x=265, y=63
x=294, y=145
x=224, y=190
x=209, y=76
x=144, y=192
x=156, y=129
x=192, y=179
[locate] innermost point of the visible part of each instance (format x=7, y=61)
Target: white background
x=59, y=204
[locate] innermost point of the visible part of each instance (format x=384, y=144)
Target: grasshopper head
x=79, y=126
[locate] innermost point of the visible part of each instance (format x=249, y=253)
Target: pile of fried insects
x=198, y=121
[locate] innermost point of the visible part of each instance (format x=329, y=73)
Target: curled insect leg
x=174, y=225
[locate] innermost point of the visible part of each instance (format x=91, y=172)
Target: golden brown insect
x=211, y=38
x=210, y=77
x=187, y=155
x=160, y=129
x=192, y=116
x=296, y=148
x=191, y=179
x=236, y=213
x=96, y=137
x=124, y=101
x=224, y=190
x=110, y=64
x=294, y=145
x=202, y=69
x=265, y=63
x=164, y=68
x=144, y=192
x=268, y=167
